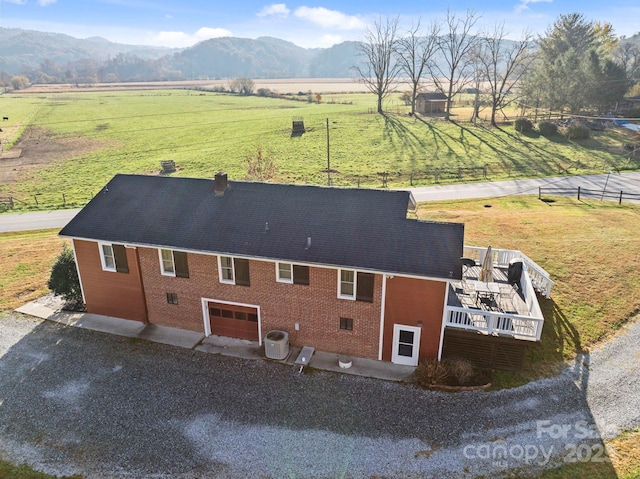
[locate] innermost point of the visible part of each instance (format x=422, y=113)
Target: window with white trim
x=356, y=285
x=166, y=262
x=285, y=272
x=108, y=260
x=113, y=257
x=173, y=263
x=347, y=284
x=234, y=270
x=292, y=273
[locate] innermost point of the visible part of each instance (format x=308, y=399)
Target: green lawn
x=131, y=132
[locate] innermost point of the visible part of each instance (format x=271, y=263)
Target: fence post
x=35, y=197
x=411, y=178
x=620, y=200
x=578, y=193
x=64, y=200
x=539, y=192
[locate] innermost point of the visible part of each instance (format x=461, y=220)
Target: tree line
x=576, y=66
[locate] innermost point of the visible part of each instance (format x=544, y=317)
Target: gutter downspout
x=144, y=296
x=444, y=320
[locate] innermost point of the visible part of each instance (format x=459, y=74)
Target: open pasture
x=81, y=139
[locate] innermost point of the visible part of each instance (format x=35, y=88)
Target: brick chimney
x=221, y=183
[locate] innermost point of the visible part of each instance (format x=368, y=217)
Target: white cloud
x=44, y=3
x=205, y=33
x=524, y=4
x=182, y=39
x=275, y=9
x=330, y=18
x=330, y=40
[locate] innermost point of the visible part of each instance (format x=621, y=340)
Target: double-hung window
x=234, y=270
x=292, y=273
x=174, y=263
x=355, y=285
x=113, y=257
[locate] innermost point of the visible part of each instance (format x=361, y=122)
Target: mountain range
x=54, y=58
x=23, y=52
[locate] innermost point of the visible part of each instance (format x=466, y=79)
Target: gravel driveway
x=78, y=401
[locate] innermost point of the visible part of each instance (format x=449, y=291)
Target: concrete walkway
x=50, y=308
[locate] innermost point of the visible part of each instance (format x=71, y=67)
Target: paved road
x=629, y=182
x=35, y=221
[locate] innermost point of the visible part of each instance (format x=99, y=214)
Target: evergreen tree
x=64, y=278
x=575, y=69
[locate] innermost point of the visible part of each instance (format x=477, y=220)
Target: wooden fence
x=580, y=192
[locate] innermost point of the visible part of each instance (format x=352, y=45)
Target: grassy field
x=131, y=132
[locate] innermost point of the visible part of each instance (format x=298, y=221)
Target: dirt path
x=37, y=148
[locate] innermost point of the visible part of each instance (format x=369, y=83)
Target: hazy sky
x=320, y=23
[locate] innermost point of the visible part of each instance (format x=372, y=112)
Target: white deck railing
x=501, y=257
x=494, y=323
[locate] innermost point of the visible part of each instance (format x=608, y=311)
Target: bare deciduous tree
x=379, y=69
x=456, y=46
x=260, y=165
x=244, y=86
x=502, y=65
x=628, y=56
x=414, y=53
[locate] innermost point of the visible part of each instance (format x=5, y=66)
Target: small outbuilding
x=431, y=102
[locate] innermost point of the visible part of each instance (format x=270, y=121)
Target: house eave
x=387, y=273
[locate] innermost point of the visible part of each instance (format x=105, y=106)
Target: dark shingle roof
x=432, y=96
x=358, y=228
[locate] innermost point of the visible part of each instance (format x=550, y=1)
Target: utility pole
x=328, y=157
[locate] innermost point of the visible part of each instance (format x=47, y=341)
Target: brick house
x=342, y=270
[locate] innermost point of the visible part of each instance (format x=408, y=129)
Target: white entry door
x=406, y=345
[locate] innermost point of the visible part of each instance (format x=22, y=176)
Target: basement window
x=346, y=324
x=172, y=298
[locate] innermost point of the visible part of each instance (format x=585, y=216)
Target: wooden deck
x=497, y=308
x=463, y=294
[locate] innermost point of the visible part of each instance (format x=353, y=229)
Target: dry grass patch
x=624, y=452
x=27, y=258
x=590, y=248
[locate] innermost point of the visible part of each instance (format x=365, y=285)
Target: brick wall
x=108, y=292
x=315, y=307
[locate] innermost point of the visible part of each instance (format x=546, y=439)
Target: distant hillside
x=633, y=40
x=230, y=57
x=53, y=57
x=21, y=50
x=264, y=57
